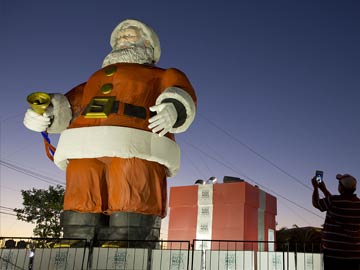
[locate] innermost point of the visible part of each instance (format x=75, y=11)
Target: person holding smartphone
x=341, y=232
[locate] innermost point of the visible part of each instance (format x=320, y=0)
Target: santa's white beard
x=134, y=54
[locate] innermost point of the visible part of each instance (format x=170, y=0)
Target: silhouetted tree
x=43, y=207
x=299, y=239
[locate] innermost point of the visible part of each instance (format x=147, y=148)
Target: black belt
x=101, y=107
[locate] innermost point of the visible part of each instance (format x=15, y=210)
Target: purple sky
x=281, y=77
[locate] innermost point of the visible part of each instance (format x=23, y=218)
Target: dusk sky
x=277, y=84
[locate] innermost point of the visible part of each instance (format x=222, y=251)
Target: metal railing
x=255, y=255
x=38, y=253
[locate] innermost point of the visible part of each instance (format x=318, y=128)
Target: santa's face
x=130, y=47
x=126, y=37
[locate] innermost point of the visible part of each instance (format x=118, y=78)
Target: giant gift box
x=227, y=211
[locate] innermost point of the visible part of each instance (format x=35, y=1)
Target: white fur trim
x=112, y=141
x=61, y=110
x=183, y=97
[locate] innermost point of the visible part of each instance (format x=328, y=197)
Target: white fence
x=169, y=255
x=141, y=259
x=11, y=259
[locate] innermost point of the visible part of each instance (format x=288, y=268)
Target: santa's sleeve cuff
x=181, y=96
x=62, y=113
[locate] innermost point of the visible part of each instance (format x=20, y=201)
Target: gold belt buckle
x=99, y=107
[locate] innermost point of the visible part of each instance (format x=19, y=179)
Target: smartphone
x=319, y=176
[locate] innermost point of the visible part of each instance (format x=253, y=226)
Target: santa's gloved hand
x=165, y=118
x=37, y=122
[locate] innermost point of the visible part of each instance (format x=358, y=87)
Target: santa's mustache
x=133, y=54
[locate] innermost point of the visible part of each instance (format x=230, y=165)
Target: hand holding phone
x=319, y=175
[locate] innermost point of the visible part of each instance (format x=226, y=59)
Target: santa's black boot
x=131, y=230
x=80, y=228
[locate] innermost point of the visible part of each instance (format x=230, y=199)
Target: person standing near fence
x=341, y=232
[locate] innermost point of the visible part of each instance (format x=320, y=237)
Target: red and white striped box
x=227, y=211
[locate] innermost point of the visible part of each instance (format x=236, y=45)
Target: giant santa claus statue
x=117, y=139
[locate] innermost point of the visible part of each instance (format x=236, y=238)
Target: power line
x=296, y=214
x=265, y=159
x=252, y=180
x=2, y=186
x=3, y=213
x=255, y=152
x=193, y=164
x=33, y=174
x=8, y=208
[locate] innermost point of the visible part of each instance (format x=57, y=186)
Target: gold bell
x=39, y=101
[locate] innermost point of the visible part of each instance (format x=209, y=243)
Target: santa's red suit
x=114, y=163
